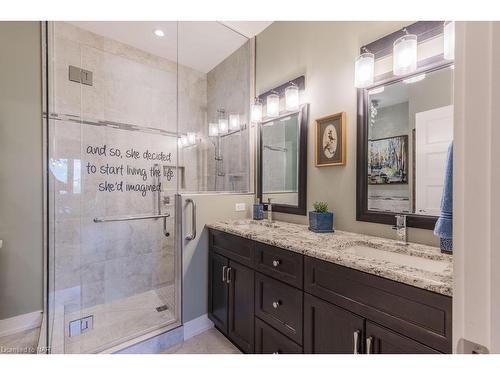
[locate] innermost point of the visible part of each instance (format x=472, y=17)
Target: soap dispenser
x=258, y=210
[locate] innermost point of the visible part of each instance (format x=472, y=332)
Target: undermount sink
x=401, y=259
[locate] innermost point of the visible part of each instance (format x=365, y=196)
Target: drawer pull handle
x=277, y=352
x=276, y=263
x=228, y=275
x=276, y=304
x=224, y=268
x=369, y=341
x=356, y=341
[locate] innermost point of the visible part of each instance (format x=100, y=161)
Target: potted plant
x=321, y=220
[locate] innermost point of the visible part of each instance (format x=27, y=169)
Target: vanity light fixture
x=159, y=33
x=414, y=79
x=213, y=129
x=449, y=40
x=234, y=121
x=364, y=70
x=404, y=54
x=292, y=97
x=273, y=105
x=257, y=110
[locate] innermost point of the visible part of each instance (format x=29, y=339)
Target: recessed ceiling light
x=159, y=33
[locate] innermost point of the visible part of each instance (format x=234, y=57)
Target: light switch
x=240, y=207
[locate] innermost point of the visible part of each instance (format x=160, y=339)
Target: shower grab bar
x=127, y=218
x=192, y=236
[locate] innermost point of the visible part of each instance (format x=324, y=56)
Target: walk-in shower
x=128, y=133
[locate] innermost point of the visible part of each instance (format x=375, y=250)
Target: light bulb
x=223, y=126
x=159, y=33
x=257, y=111
x=449, y=40
x=234, y=121
x=191, y=137
x=213, y=130
x=292, y=98
x=273, y=105
x=364, y=68
x=404, y=59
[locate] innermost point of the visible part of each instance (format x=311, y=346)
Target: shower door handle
x=192, y=236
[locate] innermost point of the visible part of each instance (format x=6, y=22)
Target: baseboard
x=196, y=326
x=20, y=323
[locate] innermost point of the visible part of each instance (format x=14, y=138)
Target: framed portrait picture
x=388, y=160
x=331, y=140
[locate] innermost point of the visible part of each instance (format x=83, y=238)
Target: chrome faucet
x=400, y=228
x=269, y=211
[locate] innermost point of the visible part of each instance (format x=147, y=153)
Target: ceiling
x=202, y=45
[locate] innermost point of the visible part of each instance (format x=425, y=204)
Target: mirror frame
x=381, y=48
x=301, y=207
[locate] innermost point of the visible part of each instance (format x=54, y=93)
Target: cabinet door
x=328, y=329
x=380, y=340
x=241, y=306
x=218, y=291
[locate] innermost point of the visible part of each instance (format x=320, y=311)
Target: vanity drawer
x=270, y=341
x=416, y=313
x=233, y=247
x=281, y=264
x=279, y=305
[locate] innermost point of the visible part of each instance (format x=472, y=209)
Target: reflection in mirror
x=410, y=126
x=280, y=146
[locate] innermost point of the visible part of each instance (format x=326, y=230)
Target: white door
x=433, y=135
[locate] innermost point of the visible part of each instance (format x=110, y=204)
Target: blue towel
x=444, y=224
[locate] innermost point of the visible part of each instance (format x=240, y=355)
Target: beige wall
x=21, y=198
x=325, y=53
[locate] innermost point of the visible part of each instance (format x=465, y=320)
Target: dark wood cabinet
x=380, y=340
x=270, y=341
x=241, y=306
x=271, y=300
x=218, y=291
x=328, y=329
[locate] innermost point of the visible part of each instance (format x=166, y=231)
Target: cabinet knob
x=276, y=304
x=276, y=263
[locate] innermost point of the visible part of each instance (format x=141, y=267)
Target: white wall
x=476, y=178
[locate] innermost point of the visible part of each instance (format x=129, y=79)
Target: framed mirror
x=405, y=126
x=282, y=164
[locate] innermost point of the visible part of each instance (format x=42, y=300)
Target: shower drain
x=162, y=308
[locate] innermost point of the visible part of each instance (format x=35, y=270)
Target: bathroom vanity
x=279, y=288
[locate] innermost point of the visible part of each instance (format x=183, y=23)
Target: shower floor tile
x=116, y=321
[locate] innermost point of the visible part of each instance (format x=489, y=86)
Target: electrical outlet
x=240, y=207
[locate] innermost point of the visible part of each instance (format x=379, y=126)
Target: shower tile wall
x=99, y=263
x=229, y=88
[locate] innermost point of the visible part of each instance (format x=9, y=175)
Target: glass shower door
x=112, y=190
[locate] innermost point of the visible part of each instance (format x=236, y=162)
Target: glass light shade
x=292, y=98
x=234, y=121
x=273, y=105
x=184, y=141
x=364, y=68
x=213, y=130
x=257, y=111
x=223, y=126
x=404, y=55
x=449, y=40
x=191, y=137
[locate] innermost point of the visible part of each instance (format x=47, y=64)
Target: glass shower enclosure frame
x=113, y=260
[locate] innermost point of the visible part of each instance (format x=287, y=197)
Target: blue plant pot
x=321, y=222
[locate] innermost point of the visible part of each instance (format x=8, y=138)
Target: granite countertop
x=332, y=247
